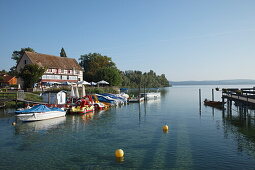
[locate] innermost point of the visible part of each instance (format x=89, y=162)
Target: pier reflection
x=240, y=122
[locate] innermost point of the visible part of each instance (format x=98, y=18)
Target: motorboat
x=150, y=95
x=136, y=99
x=39, y=112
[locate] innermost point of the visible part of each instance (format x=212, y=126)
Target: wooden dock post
x=212, y=94
x=199, y=99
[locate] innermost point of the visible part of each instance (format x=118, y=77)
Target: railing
x=245, y=95
x=19, y=95
x=8, y=95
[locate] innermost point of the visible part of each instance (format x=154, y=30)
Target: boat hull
x=28, y=117
x=136, y=100
x=216, y=104
x=81, y=110
x=152, y=95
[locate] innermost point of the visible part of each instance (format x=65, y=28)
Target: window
x=54, y=70
x=44, y=77
x=25, y=62
x=64, y=77
x=58, y=77
x=72, y=77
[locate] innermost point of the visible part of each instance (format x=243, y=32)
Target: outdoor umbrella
x=93, y=83
x=83, y=91
x=66, y=83
x=72, y=92
x=102, y=82
x=77, y=92
x=83, y=82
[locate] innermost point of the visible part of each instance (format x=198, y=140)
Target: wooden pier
x=245, y=96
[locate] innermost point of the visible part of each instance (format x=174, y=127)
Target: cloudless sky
x=183, y=39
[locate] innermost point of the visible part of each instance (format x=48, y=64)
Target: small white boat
x=136, y=99
x=39, y=112
x=152, y=95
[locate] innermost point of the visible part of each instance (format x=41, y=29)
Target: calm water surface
x=196, y=140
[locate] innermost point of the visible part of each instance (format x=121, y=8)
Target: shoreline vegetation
x=98, y=67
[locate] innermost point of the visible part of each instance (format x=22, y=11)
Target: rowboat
x=216, y=104
x=39, y=112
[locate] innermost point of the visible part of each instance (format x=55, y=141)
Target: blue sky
x=184, y=39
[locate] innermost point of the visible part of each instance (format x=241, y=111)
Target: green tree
x=92, y=62
x=31, y=74
x=137, y=79
x=16, y=55
x=63, y=53
x=3, y=71
x=109, y=74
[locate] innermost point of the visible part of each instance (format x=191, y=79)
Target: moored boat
x=216, y=104
x=151, y=95
x=39, y=112
x=82, y=106
x=136, y=99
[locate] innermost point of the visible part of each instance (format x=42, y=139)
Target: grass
x=13, y=104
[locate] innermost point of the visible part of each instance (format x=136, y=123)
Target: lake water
x=195, y=140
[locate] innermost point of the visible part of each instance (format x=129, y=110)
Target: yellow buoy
x=119, y=153
x=165, y=128
x=13, y=123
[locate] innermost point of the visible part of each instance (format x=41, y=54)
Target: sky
x=183, y=39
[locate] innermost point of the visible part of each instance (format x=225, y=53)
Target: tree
x=3, y=71
x=31, y=74
x=109, y=74
x=137, y=79
x=92, y=62
x=16, y=55
x=63, y=53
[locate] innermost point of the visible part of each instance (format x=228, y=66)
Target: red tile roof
x=51, y=61
x=6, y=78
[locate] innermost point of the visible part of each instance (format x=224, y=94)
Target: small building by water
x=54, y=97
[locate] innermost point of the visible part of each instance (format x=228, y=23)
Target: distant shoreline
x=215, y=82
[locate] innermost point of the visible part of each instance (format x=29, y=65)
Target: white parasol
x=83, y=82
x=83, y=91
x=77, y=92
x=72, y=92
x=102, y=82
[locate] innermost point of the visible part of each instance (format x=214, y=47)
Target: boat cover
x=36, y=109
x=57, y=109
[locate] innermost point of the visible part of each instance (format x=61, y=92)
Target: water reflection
x=39, y=126
x=240, y=122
